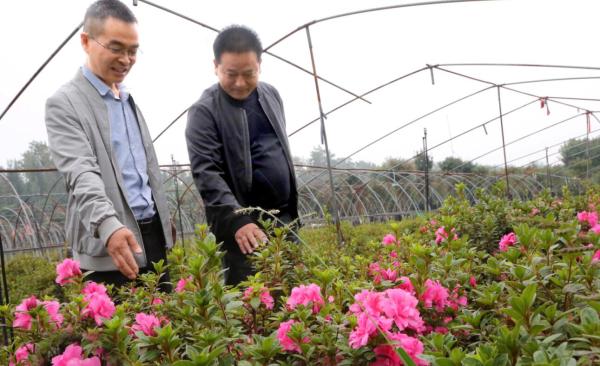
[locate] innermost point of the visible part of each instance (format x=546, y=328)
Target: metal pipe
x=508, y=195
x=334, y=205
x=39, y=70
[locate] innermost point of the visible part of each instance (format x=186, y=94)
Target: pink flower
x=435, y=295
x=52, y=308
x=393, y=254
x=534, y=211
x=99, y=307
x=304, y=295
x=472, y=281
x=286, y=342
x=367, y=326
x=267, y=299
x=22, y=317
x=441, y=234
x=248, y=293
x=181, y=284
x=145, y=323
x=595, y=229
x=66, y=271
x=389, y=239
x=406, y=285
x=157, y=301
x=389, y=274
x=590, y=217
x=93, y=288
x=507, y=240
x=596, y=257
x=22, y=354
x=401, y=307
x=72, y=357
x=367, y=301
x=330, y=299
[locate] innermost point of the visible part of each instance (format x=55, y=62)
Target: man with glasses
x=117, y=217
x=239, y=152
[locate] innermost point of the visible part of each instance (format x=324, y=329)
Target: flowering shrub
x=492, y=283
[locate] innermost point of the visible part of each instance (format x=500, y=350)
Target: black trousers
x=237, y=264
x=154, y=245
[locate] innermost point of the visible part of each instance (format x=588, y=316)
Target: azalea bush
x=495, y=282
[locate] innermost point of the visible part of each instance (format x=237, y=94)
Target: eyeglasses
x=119, y=51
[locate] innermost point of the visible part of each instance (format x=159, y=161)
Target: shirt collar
x=101, y=87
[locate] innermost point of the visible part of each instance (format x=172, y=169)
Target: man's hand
x=248, y=237
x=121, y=246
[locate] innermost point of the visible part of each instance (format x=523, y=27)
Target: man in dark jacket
x=239, y=152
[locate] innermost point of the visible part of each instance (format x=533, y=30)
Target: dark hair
x=237, y=39
x=99, y=11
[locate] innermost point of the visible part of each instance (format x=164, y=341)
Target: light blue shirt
x=128, y=148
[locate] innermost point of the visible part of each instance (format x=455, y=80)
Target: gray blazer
x=79, y=141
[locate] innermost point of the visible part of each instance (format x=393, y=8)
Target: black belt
x=147, y=221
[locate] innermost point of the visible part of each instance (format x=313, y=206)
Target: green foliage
x=28, y=275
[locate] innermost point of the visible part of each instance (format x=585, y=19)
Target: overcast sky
x=358, y=52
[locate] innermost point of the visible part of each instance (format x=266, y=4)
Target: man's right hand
x=248, y=237
x=121, y=246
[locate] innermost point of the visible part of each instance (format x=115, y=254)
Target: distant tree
x=398, y=164
x=37, y=156
x=456, y=165
x=421, y=164
x=575, y=153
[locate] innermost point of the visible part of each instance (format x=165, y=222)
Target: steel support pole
x=427, y=201
x=334, y=205
x=508, y=195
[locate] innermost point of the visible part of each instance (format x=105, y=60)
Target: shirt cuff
x=108, y=227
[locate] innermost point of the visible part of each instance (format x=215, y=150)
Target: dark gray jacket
x=219, y=149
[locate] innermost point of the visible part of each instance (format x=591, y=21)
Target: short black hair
x=99, y=11
x=236, y=39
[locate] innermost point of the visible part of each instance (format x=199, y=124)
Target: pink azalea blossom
x=389, y=274
x=590, y=217
x=401, y=307
x=441, y=234
x=472, y=281
x=507, y=240
x=435, y=295
x=22, y=354
x=267, y=299
x=406, y=285
x=145, y=323
x=389, y=239
x=94, y=288
x=330, y=299
x=181, y=284
x=304, y=295
x=366, y=327
x=98, y=307
x=596, y=257
x=52, y=307
x=286, y=342
x=595, y=229
x=66, y=270
x=23, y=319
x=157, y=301
x=393, y=254
x=72, y=356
